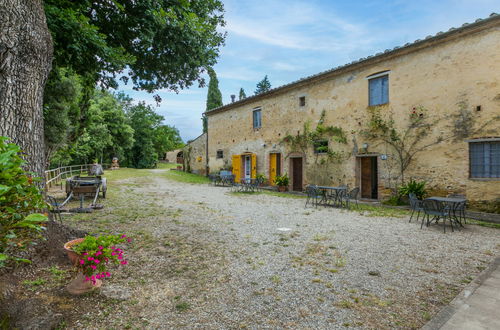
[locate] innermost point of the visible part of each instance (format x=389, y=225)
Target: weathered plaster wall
x=171, y=156
x=438, y=77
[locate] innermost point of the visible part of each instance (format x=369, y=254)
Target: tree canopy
x=263, y=86
x=154, y=43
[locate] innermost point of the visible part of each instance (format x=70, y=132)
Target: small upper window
x=302, y=101
x=321, y=147
x=220, y=154
x=257, y=118
x=378, y=90
x=484, y=159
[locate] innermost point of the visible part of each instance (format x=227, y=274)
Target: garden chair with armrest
x=415, y=205
x=437, y=210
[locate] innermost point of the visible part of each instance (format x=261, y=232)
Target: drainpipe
x=206, y=148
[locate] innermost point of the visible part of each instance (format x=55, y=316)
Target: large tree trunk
x=25, y=62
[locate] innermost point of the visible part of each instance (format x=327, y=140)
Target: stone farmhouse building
x=451, y=81
x=194, y=155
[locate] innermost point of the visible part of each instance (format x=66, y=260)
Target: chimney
x=233, y=97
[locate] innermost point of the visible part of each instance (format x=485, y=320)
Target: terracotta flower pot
x=79, y=286
x=282, y=188
x=72, y=255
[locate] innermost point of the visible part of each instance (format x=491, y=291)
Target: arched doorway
x=180, y=158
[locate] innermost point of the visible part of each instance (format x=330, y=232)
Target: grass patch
x=34, y=284
x=380, y=211
x=57, y=274
x=182, y=307
x=185, y=177
x=483, y=223
x=282, y=194
x=266, y=192
x=167, y=166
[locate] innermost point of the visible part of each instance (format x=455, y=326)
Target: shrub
x=418, y=188
x=19, y=199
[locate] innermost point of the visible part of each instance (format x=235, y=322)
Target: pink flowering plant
x=98, y=252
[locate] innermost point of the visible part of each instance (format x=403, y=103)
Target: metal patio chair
x=437, y=210
x=458, y=209
x=313, y=195
x=415, y=205
x=353, y=195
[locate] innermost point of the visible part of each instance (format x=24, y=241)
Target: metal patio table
x=332, y=194
x=453, y=205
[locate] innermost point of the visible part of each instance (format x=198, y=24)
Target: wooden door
x=272, y=168
x=297, y=174
x=369, y=177
x=237, y=167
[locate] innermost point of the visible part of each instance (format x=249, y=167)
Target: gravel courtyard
x=204, y=257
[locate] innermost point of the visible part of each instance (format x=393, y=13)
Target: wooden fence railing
x=55, y=176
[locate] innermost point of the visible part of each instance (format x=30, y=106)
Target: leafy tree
x=107, y=133
x=163, y=44
x=167, y=138
x=145, y=123
x=242, y=94
x=61, y=110
x=263, y=86
x=154, y=43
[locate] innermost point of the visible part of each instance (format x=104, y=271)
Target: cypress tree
x=242, y=94
x=263, y=86
x=214, y=96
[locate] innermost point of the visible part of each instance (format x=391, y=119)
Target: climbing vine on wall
x=405, y=141
x=310, y=139
x=303, y=142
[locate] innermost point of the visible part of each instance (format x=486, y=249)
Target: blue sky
x=288, y=40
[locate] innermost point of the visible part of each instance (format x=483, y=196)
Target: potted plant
x=261, y=179
x=92, y=256
x=282, y=182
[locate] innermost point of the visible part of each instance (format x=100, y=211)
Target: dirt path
x=206, y=258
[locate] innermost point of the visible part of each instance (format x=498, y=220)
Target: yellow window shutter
x=272, y=168
x=254, y=166
x=237, y=167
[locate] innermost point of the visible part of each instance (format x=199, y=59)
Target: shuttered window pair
x=378, y=90
x=484, y=159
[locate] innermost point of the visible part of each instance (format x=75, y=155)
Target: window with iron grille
x=257, y=119
x=220, y=154
x=484, y=159
x=321, y=147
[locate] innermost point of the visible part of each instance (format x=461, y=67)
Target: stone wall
x=442, y=75
x=195, y=155
x=171, y=156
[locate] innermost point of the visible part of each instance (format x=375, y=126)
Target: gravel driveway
x=209, y=258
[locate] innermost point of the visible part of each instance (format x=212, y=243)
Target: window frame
x=302, y=101
x=259, y=121
x=221, y=154
x=320, y=144
x=383, y=77
x=486, y=161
